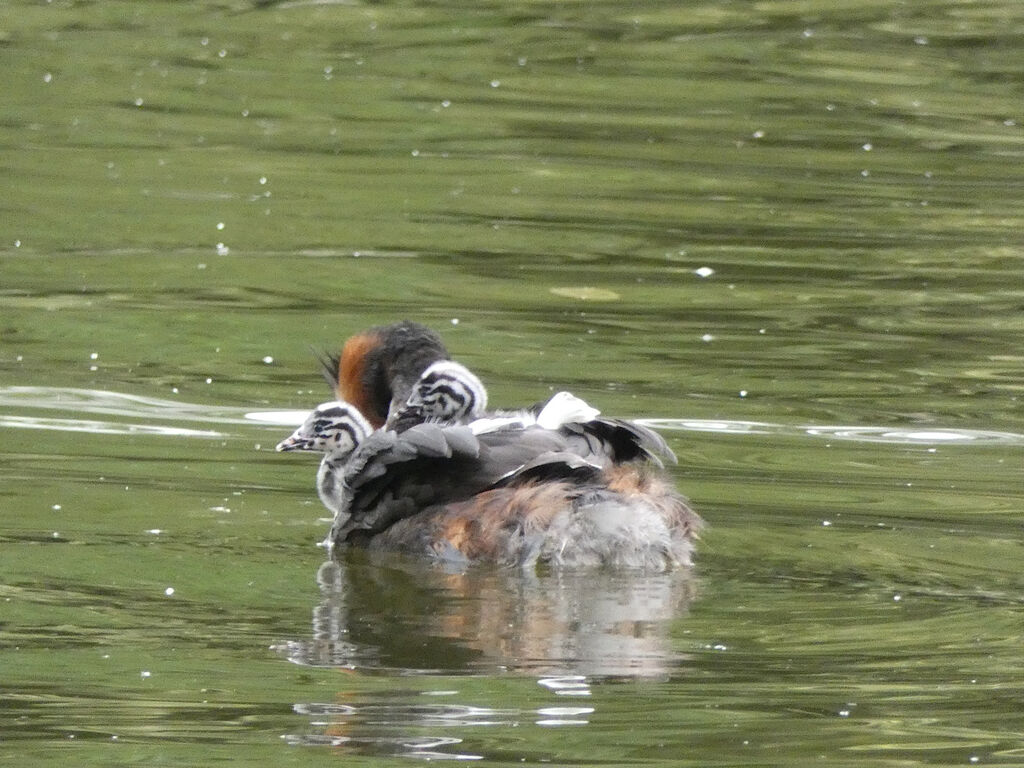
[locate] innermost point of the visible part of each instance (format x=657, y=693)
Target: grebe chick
x=336, y=430
x=449, y=393
x=446, y=392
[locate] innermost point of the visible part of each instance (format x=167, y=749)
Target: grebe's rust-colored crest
x=378, y=367
x=351, y=370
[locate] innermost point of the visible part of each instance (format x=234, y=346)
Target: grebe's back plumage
x=621, y=518
x=396, y=475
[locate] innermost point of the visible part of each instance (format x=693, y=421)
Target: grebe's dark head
x=378, y=367
x=334, y=428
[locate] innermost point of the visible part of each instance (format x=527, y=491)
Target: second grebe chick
x=447, y=392
x=336, y=430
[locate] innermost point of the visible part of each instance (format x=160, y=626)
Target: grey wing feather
x=424, y=440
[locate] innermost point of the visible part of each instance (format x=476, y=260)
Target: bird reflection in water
x=409, y=617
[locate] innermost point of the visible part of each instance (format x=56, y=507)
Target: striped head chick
x=334, y=429
x=447, y=392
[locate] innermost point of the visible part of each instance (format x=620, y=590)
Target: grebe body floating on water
x=517, y=496
x=557, y=484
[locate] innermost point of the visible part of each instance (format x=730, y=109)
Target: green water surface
x=790, y=232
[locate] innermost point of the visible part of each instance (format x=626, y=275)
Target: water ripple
x=103, y=427
x=150, y=409
x=867, y=434
x=149, y=414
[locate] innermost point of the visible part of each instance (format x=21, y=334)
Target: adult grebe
x=560, y=485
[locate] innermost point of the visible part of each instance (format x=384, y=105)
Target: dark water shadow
x=403, y=613
x=403, y=617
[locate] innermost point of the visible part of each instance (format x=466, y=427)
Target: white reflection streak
x=116, y=404
x=103, y=427
x=566, y=685
x=867, y=434
x=564, y=715
x=711, y=425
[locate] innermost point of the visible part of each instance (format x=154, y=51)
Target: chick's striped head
x=334, y=428
x=446, y=392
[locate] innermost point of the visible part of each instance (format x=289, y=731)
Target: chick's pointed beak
x=291, y=443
